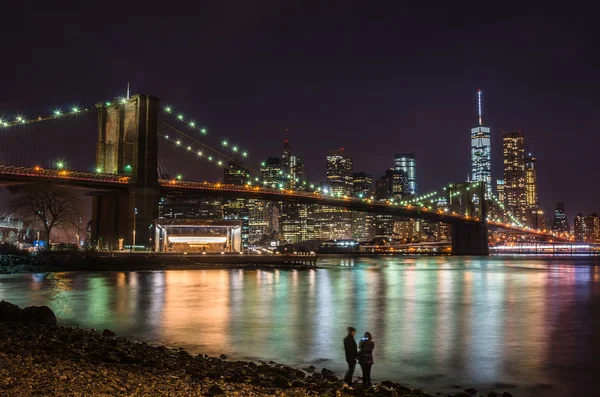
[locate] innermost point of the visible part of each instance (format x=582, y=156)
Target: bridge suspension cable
x=204, y=148
x=204, y=132
x=254, y=175
x=57, y=114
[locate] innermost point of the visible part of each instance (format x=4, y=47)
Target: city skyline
x=384, y=102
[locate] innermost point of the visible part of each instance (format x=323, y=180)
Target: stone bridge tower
x=127, y=145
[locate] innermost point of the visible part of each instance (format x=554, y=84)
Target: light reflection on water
x=528, y=323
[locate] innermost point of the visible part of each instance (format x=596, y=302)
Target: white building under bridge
x=197, y=235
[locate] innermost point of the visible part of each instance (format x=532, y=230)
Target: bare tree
x=49, y=205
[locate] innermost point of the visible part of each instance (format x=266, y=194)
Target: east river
x=525, y=325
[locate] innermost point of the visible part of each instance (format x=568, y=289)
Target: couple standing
x=363, y=353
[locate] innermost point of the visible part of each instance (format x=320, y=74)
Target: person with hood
x=351, y=351
x=365, y=358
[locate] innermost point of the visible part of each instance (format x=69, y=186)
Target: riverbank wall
x=123, y=261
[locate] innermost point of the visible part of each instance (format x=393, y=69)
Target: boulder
x=281, y=382
x=493, y=394
x=387, y=392
x=327, y=373
x=506, y=394
x=39, y=315
x=108, y=333
x=223, y=357
x=215, y=390
x=9, y=313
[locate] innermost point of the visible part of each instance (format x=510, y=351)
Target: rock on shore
x=11, y=313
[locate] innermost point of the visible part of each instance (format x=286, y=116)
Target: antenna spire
x=128, y=93
x=479, y=102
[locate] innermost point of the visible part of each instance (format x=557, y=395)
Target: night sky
x=373, y=79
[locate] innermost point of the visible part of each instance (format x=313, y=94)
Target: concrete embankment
x=71, y=261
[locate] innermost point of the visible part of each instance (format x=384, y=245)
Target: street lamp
x=78, y=231
x=134, y=222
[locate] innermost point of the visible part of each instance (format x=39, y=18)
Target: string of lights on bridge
x=180, y=117
x=58, y=113
x=21, y=119
x=203, y=151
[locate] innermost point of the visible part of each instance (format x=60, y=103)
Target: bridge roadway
x=14, y=175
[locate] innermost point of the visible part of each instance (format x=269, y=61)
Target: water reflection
x=436, y=321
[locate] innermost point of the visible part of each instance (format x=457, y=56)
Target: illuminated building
x=200, y=207
x=363, y=226
x=579, y=228
x=406, y=162
x=384, y=225
x=333, y=223
x=398, y=183
x=500, y=191
x=560, y=224
x=292, y=168
x=393, y=185
x=592, y=229
x=481, y=157
x=434, y=231
x=298, y=222
x=531, y=182
x=513, y=145
x=587, y=229
x=235, y=174
x=260, y=220
x=271, y=170
x=289, y=222
x=195, y=235
x=408, y=230
x=362, y=184
x=363, y=223
x=339, y=173
x=533, y=212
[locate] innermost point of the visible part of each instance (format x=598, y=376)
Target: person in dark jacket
x=351, y=351
x=365, y=358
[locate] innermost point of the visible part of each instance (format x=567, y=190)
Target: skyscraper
x=406, y=162
x=561, y=223
x=533, y=212
x=587, y=229
x=292, y=168
x=513, y=145
x=531, y=182
x=363, y=223
x=339, y=173
x=500, y=191
x=592, y=229
x=579, y=227
x=481, y=153
x=362, y=184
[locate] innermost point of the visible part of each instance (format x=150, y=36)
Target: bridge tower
x=471, y=238
x=127, y=145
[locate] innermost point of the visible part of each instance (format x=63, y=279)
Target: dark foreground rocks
x=11, y=313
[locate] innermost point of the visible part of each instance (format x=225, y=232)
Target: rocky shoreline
x=38, y=357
